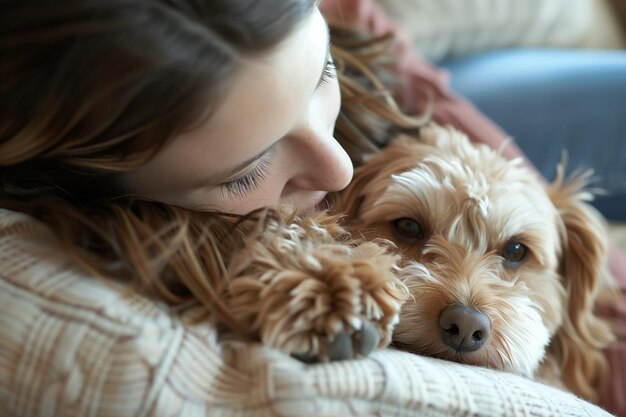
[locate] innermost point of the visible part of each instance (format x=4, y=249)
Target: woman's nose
x=320, y=163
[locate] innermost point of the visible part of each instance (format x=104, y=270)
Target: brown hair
x=89, y=89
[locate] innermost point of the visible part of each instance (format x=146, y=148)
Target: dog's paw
x=310, y=290
x=345, y=345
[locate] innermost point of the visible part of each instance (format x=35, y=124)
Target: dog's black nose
x=463, y=328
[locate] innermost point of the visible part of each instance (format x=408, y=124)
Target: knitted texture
x=75, y=345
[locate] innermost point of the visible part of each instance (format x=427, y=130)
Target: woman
x=193, y=108
x=125, y=126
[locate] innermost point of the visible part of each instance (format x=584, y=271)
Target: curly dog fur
x=438, y=225
x=483, y=234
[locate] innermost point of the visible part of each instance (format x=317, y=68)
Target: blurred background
x=551, y=73
x=443, y=29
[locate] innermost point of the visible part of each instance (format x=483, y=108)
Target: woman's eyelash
x=248, y=183
x=330, y=72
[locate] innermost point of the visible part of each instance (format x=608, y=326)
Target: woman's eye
x=241, y=186
x=330, y=72
x=408, y=228
x=514, y=252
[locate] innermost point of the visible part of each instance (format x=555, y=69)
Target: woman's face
x=269, y=142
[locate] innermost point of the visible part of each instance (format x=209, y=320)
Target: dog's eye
x=408, y=228
x=514, y=252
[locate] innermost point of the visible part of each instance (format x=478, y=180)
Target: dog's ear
x=396, y=157
x=352, y=197
x=578, y=345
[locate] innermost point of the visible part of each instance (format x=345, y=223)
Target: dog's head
x=501, y=268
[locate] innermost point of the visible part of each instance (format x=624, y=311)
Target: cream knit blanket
x=74, y=345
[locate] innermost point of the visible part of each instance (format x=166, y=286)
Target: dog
x=503, y=270
x=443, y=248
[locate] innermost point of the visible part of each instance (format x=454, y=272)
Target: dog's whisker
x=503, y=348
x=496, y=352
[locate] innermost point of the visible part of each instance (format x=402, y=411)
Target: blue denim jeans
x=555, y=100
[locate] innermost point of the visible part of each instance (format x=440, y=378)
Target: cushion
x=444, y=28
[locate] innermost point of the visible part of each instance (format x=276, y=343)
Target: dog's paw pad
x=340, y=348
x=358, y=344
x=345, y=345
x=366, y=339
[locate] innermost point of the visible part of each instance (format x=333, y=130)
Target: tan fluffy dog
x=503, y=271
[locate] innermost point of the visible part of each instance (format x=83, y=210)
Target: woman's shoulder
x=35, y=268
x=73, y=342
x=16, y=223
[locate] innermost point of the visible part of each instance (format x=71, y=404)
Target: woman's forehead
x=268, y=95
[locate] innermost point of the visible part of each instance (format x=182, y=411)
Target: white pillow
x=446, y=28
